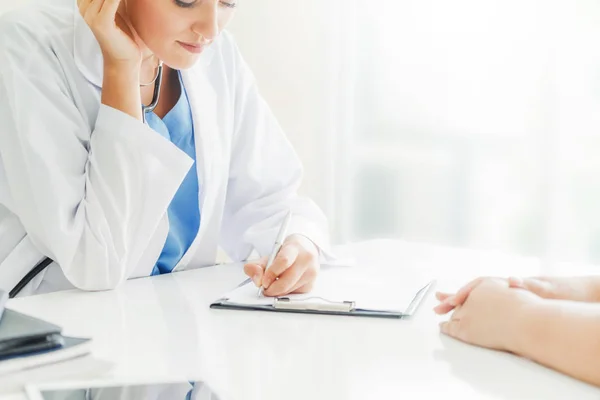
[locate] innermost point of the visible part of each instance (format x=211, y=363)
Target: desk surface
x=161, y=329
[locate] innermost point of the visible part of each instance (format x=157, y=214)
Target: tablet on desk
x=136, y=391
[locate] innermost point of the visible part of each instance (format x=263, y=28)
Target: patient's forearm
x=562, y=335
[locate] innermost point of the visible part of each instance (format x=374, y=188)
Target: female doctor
x=134, y=142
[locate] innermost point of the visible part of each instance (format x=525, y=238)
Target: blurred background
x=470, y=123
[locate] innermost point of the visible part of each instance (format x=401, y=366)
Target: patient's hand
x=492, y=316
x=586, y=289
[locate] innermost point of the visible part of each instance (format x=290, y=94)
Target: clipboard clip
x=285, y=303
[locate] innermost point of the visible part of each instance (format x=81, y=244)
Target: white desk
x=162, y=329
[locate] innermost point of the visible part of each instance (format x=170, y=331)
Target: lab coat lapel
x=202, y=100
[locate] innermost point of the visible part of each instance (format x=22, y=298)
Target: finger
x=306, y=283
x=450, y=328
x=514, y=282
x=458, y=313
x=444, y=327
x=441, y=296
x=92, y=11
x=255, y=270
x=83, y=6
x=109, y=10
x=287, y=281
x=536, y=286
x=463, y=293
x=304, y=288
x=285, y=259
x=446, y=306
x=443, y=308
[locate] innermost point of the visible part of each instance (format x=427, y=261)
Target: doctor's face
x=177, y=31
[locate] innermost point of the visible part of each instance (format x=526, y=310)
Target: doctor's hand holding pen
x=121, y=52
x=294, y=268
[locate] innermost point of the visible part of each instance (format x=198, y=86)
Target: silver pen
x=277, y=245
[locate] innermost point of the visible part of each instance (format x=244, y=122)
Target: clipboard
x=323, y=300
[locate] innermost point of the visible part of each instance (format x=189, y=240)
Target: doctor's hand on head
x=135, y=32
x=294, y=270
x=113, y=33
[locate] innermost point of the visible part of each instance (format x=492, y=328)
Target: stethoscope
x=156, y=95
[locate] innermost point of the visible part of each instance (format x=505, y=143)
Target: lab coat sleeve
x=90, y=205
x=265, y=175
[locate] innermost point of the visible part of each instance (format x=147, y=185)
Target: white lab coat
x=89, y=186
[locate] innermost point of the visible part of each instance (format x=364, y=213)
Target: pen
x=277, y=245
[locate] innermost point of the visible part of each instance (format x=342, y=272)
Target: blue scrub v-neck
x=184, y=210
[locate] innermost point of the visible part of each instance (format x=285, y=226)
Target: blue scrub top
x=184, y=211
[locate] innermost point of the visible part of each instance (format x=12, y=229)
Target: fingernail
x=516, y=281
x=266, y=283
x=452, y=301
x=256, y=280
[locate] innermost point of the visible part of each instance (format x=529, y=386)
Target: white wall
x=290, y=45
x=474, y=122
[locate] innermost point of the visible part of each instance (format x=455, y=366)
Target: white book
x=27, y=342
